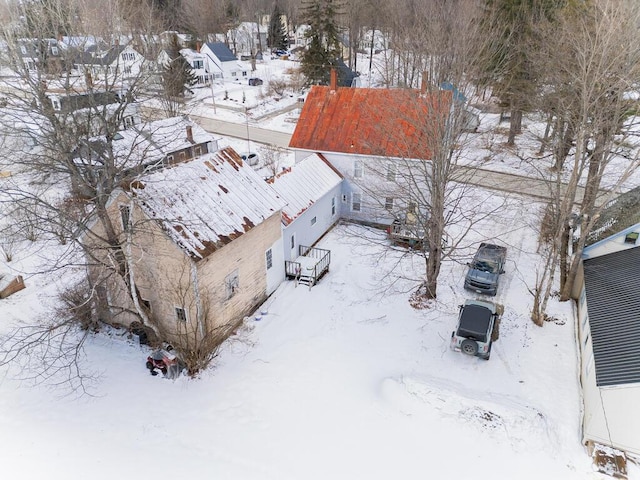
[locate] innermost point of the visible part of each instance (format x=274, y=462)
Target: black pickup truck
x=485, y=269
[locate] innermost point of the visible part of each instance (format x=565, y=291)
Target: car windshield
x=485, y=266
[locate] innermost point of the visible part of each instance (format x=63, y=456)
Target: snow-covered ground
x=343, y=381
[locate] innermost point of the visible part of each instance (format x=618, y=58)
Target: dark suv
x=254, y=82
x=477, y=328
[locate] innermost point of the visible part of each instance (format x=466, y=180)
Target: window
x=56, y=103
x=234, y=74
x=127, y=69
x=391, y=172
x=197, y=150
x=344, y=198
x=388, y=203
x=356, y=202
x=128, y=121
x=125, y=216
x=170, y=158
x=333, y=206
x=357, y=169
x=54, y=50
x=313, y=221
x=244, y=74
x=293, y=241
x=269, y=258
x=182, y=156
x=631, y=238
x=181, y=315
x=197, y=64
x=23, y=49
x=231, y=284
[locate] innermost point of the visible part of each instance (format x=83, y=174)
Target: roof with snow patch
x=206, y=203
x=303, y=184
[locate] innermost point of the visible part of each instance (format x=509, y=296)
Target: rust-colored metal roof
x=402, y=123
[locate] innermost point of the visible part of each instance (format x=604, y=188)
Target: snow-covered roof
x=206, y=203
x=148, y=143
x=303, y=184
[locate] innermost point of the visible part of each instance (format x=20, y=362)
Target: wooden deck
x=310, y=266
x=408, y=235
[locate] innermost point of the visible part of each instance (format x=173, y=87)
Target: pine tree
x=323, y=51
x=177, y=74
x=277, y=35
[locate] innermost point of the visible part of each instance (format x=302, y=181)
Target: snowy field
x=343, y=381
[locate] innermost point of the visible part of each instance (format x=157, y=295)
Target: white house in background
x=608, y=300
x=248, y=37
x=221, y=63
x=117, y=62
x=195, y=59
x=297, y=37
x=369, y=136
x=311, y=190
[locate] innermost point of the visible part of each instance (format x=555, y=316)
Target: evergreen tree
x=177, y=74
x=277, y=37
x=323, y=51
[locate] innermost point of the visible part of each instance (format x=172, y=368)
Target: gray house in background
x=608, y=305
x=221, y=63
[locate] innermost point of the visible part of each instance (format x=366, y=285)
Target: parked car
x=255, y=81
x=485, y=269
x=477, y=328
x=161, y=360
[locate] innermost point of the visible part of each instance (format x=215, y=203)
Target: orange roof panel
x=370, y=121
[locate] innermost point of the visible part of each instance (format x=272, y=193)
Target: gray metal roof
x=620, y=213
x=613, y=297
x=222, y=51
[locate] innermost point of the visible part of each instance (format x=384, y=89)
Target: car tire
x=469, y=347
x=164, y=371
x=149, y=365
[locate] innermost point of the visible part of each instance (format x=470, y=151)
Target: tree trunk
x=515, y=125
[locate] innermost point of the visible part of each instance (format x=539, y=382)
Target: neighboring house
x=209, y=231
x=221, y=63
x=298, y=37
x=44, y=53
x=370, y=136
x=248, y=37
x=117, y=62
x=197, y=61
x=148, y=146
x=311, y=189
x=83, y=103
x=608, y=293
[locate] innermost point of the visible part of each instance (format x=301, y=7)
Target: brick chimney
x=198, y=46
x=190, y=134
x=334, y=80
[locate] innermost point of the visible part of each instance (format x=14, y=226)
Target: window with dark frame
x=313, y=221
x=333, y=206
x=181, y=315
x=388, y=203
x=357, y=169
x=356, y=202
x=125, y=216
x=391, y=172
x=232, y=284
x=269, y=258
x=631, y=238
